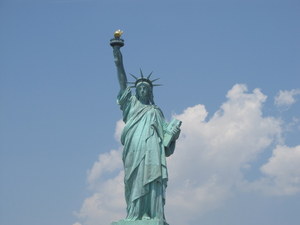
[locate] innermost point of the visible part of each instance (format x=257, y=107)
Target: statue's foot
x=146, y=217
x=145, y=220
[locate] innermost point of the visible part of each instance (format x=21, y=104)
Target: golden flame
x=118, y=33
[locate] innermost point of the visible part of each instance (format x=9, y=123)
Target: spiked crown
x=143, y=79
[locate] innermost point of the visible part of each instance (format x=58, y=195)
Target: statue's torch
x=117, y=40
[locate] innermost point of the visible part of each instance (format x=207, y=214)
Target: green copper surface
x=144, y=153
x=141, y=222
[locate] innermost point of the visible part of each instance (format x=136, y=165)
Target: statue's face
x=143, y=91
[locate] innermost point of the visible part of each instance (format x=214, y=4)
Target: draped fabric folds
x=144, y=158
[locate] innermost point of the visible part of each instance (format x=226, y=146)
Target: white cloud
x=76, y=223
x=286, y=98
x=105, y=180
x=231, y=138
x=119, y=128
x=208, y=164
x=106, y=204
x=284, y=169
x=281, y=172
x=106, y=165
x=210, y=156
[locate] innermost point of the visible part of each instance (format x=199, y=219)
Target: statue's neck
x=144, y=101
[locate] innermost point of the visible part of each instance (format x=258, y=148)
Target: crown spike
x=143, y=79
x=141, y=73
x=155, y=80
x=149, y=75
x=134, y=76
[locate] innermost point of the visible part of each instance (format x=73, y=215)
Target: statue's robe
x=144, y=158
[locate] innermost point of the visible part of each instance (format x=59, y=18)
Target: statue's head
x=144, y=88
x=144, y=92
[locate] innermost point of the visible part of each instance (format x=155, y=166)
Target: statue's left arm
x=169, y=150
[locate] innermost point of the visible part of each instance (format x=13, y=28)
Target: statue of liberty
x=147, y=139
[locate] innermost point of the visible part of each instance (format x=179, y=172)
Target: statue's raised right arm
x=120, y=67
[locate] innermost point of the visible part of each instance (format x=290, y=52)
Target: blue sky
x=230, y=71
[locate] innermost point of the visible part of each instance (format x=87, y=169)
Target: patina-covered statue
x=148, y=139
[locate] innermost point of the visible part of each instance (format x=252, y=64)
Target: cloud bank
x=210, y=163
